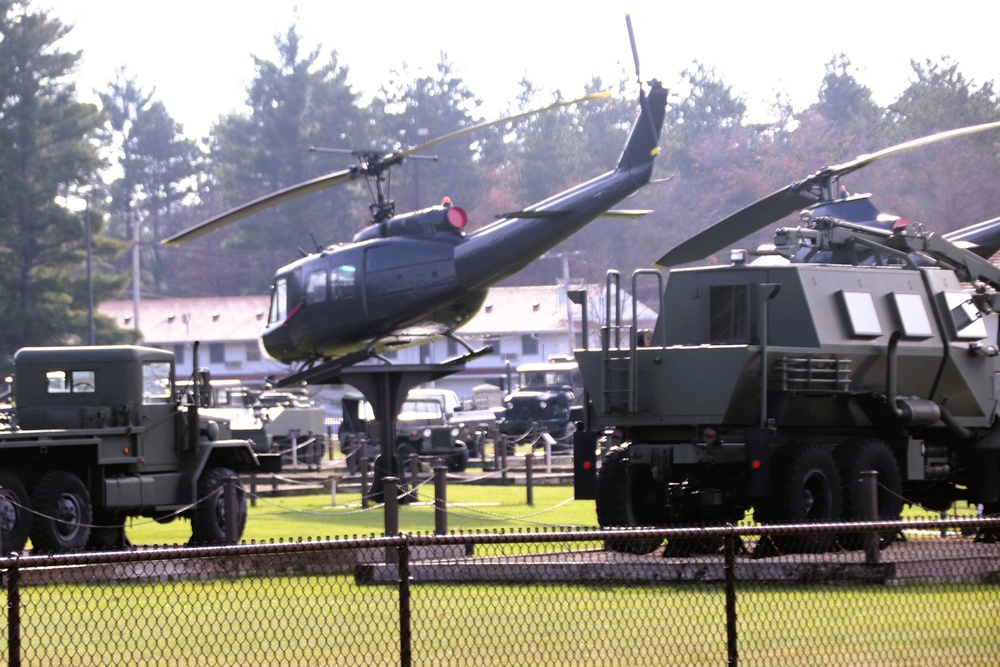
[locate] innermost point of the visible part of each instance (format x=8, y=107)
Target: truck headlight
x=454, y=432
x=426, y=433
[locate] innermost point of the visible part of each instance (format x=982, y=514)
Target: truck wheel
x=615, y=503
x=15, y=512
x=108, y=531
x=208, y=523
x=64, y=512
x=854, y=457
x=805, y=488
x=459, y=461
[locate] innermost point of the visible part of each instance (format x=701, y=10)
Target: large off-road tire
x=805, y=488
x=615, y=503
x=459, y=461
x=64, y=513
x=15, y=512
x=108, y=531
x=855, y=457
x=208, y=522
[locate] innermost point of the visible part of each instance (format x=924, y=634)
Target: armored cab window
x=912, y=315
x=279, y=302
x=342, y=281
x=316, y=287
x=156, y=385
x=76, y=382
x=965, y=316
x=729, y=314
x=861, y=314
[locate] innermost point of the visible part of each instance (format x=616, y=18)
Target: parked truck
x=772, y=386
x=543, y=399
x=100, y=434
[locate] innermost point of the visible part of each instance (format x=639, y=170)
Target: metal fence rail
x=540, y=598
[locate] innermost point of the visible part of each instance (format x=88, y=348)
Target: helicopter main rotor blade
x=744, y=222
x=264, y=203
x=786, y=201
x=603, y=95
x=329, y=180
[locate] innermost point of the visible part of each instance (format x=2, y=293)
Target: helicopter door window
x=342, y=280
x=316, y=287
x=279, y=302
x=965, y=316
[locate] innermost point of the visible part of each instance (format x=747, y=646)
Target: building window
x=216, y=353
x=529, y=345
x=452, y=347
x=426, y=353
x=179, y=353
x=253, y=351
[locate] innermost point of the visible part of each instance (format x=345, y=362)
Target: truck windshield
x=420, y=410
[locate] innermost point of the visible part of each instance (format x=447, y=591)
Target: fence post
x=730, y=572
x=390, y=486
x=503, y=459
x=403, y=561
x=253, y=489
x=295, y=448
x=363, y=466
x=869, y=510
x=333, y=491
x=14, y=613
x=414, y=477
x=440, y=500
x=529, y=477
x=232, y=508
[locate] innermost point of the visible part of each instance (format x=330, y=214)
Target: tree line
x=142, y=179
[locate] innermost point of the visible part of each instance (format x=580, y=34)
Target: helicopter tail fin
x=643, y=141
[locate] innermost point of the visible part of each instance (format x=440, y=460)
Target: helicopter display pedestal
x=386, y=388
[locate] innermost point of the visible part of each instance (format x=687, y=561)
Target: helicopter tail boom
x=506, y=246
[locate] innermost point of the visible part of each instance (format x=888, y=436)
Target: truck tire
x=65, y=513
x=805, y=488
x=459, y=461
x=15, y=512
x=614, y=503
x=854, y=457
x=208, y=523
x=108, y=531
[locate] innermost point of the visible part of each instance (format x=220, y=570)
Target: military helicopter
x=407, y=278
x=822, y=196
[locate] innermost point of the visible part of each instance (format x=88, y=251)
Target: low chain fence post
x=232, y=508
x=440, y=500
x=529, y=477
x=363, y=466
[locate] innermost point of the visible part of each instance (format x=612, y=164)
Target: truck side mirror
x=203, y=387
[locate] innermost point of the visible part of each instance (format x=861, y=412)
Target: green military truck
x=773, y=385
x=100, y=434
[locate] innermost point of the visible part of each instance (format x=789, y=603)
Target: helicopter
x=821, y=198
x=408, y=278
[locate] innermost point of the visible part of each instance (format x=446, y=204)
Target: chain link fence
x=687, y=596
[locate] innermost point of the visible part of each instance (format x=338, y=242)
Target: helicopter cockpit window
x=861, y=314
x=729, y=314
x=342, y=281
x=316, y=287
x=279, y=302
x=965, y=316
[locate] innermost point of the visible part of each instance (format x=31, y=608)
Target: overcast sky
x=197, y=53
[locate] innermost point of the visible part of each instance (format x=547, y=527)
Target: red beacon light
x=456, y=216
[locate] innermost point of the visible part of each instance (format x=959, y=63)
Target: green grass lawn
x=471, y=508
